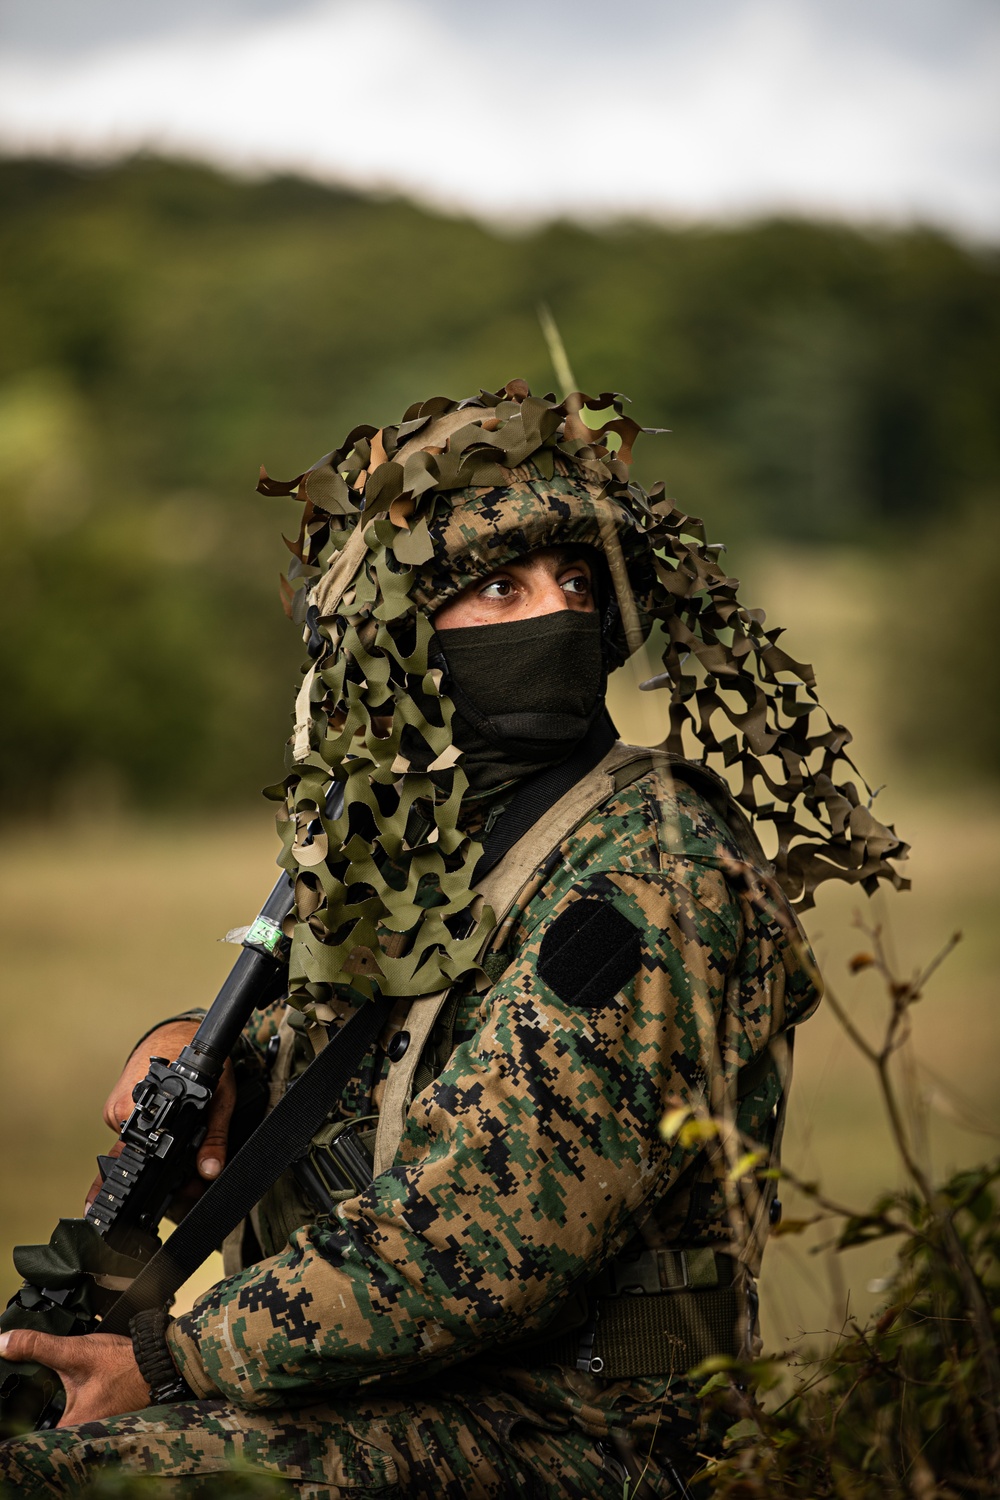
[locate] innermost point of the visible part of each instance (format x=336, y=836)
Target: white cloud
x=776, y=108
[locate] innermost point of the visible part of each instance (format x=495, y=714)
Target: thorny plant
x=908, y=1405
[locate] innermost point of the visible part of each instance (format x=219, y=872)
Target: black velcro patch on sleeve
x=589, y=953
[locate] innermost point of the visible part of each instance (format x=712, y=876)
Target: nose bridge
x=549, y=589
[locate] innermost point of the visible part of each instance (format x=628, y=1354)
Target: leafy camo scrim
x=399, y=518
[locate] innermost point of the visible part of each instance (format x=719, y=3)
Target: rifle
x=72, y=1282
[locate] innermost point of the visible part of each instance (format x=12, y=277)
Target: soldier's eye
x=497, y=588
x=579, y=585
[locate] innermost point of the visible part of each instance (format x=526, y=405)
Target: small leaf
x=715, y=1363
x=672, y=1122
x=694, y=1132
x=887, y=1319
x=742, y=1432
x=860, y=961
x=795, y=1226
x=716, y=1382
x=745, y=1165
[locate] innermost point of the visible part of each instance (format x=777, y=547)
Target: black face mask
x=525, y=692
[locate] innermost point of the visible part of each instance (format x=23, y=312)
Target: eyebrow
x=563, y=557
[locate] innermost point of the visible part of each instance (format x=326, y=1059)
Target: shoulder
x=658, y=818
x=653, y=849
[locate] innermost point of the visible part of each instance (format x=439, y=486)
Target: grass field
x=109, y=926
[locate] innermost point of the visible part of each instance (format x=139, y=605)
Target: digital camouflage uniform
x=420, y=1339
x=531, y=1160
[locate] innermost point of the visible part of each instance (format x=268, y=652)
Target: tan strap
x=281, y=1070
x=398, y=1091
x=435, y=435
x=502, y=886
x=232, y=1250
x=332, y=587
x=499, y=889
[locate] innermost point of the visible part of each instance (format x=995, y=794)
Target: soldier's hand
x=98, y=1371
x=169, y=1041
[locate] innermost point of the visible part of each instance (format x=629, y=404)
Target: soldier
x=591, y=1022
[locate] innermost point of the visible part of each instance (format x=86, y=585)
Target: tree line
x=168, y=328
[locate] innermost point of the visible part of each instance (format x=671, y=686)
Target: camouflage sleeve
x=261, y=1028
x=523, y=1167
x=193, y=1013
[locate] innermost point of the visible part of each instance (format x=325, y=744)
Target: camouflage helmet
x=399, y=519
x=486, y=528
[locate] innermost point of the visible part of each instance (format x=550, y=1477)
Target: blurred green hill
x=166, y=329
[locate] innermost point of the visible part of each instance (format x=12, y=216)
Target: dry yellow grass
x=107, y=928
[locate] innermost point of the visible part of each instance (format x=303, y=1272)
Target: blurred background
x=231, y=230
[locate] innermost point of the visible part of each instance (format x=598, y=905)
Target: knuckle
x=22, y=1343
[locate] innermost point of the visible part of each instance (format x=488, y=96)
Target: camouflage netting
x=400, y=518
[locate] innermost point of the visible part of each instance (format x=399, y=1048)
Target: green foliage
x=902, y=1407
x=166, y=329
x=143, y=658
x=908, y=1406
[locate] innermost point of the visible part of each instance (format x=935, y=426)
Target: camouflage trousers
x=427, y=1450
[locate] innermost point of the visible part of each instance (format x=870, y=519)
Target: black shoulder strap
x=279, y=1138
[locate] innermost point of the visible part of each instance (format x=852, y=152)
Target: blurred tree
x=166, y=328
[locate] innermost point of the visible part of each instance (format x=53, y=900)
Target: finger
x=28, y=1344
x=14, y=1345
x=166, y=1041
x=212, y=1151
x=117, y=1108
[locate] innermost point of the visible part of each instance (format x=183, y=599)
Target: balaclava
x=526, y=692
x=399, y=519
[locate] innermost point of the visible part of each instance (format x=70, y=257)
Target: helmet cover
x=399, y=519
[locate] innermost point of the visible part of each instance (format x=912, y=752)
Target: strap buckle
x=649, y=1272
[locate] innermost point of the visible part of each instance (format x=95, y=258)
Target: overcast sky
x=880, y=109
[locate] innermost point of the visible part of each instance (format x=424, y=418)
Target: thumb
x=29, y=1344
x=212, y=1151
